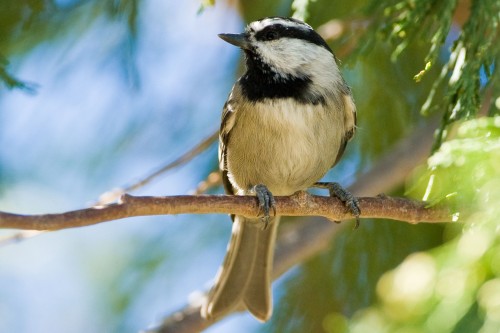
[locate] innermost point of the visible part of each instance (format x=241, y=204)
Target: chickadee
x=285, y=124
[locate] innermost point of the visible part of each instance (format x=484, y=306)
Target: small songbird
x=285, y=124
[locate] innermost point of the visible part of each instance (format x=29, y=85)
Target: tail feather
x=245, y=276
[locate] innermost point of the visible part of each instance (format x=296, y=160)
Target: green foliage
x=405, y=21
x=475, y=52
x=461, y=172
x=455, y=287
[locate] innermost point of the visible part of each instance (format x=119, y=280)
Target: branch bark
x=300, y=204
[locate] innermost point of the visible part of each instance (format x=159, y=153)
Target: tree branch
x=300, y=204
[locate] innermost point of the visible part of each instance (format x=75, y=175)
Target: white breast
x=284, y=145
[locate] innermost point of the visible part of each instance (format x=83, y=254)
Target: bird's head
x=284, y=48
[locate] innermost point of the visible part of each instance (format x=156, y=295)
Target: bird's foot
x=266, y=202
x=349, y=200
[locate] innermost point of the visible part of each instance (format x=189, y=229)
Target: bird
x=286, y=122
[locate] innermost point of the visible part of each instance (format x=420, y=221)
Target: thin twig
x=213, y=179
x=115, y=194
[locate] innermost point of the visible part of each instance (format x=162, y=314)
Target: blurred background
x=97, y=94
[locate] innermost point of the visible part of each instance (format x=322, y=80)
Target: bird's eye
x=271, y=35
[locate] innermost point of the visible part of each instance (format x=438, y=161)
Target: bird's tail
x=245, y=276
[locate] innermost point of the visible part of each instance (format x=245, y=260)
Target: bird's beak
x=240, y=40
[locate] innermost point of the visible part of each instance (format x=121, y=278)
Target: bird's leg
x=266, y=202
x=349, y=200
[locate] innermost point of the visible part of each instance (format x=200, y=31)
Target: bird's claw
x=349, y=200
x=266, y=202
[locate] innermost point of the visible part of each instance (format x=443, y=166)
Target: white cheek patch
x=294, y=56
x=286, y=55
